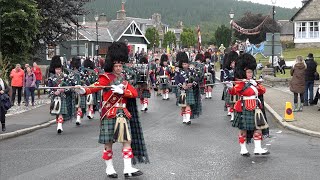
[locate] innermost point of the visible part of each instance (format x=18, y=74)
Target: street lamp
x=154, y=42
x=96, y=18
x=272, y=56
x=231, y=15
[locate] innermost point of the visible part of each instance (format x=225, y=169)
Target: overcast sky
x=282, y=3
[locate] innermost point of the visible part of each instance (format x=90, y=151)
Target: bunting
x=252, y=31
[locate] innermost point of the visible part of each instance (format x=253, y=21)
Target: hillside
x=208, y=13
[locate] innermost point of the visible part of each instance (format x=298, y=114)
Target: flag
x=199, y=38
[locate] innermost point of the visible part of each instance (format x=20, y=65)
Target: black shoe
x=305, y=104
x=266, y=153
x=146, y=109
x=78, y=123
x=189, y=122
x=3, y=127
x=114, y=176
x=135, y=174
x=59, y=131
x=246, y=154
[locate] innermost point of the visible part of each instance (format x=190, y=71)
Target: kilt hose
x=244, y=120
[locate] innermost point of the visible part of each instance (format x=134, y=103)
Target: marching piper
x=119, y=121
x=143, y=83
x=209, y=75
x=164, y=76
x=249, y=116
x=60, y=98
x=189, y=92
x=228, y=75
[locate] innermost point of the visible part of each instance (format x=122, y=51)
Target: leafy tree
x=250, y=20
x=222, y=36
x=59, y=18
x=18, y=28
x=188, y=37
x=153, y=37
x=169, y=39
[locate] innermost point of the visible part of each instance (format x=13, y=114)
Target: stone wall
x=307, y=45
x=276, y=81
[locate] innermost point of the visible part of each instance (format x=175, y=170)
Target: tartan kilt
x=227, y=97
x=164, y=86
x=244, y=120
x=174, y=89
x=190, y=99
x=83, y=102
x=64, y=107
x=144, y=93
x=107, y=130
x=202, y=88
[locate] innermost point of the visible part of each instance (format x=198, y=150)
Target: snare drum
x=142, y=73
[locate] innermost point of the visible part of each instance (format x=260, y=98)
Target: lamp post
x=154, y=42
x=96, y=18
x=272, y=51
x=231, y=15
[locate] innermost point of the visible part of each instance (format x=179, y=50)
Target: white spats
x=128, y=169
x=210, y=94
x=110, y=169
x=258, y=150
x=232, y=116
x=243, y=149
x=59, y=127
x=229, y=112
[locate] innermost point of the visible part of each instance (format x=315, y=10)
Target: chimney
x=103, y=18
x=304, y=2
x=121, y=14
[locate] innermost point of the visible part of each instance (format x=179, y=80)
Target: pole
x=154, y=42
x=97, y=46
x=77, y=36
x=231, y=34
x=274, y=72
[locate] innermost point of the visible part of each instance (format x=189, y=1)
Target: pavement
x=307, y=122
x=21, y=119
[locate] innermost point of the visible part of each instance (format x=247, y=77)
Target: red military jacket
x=248, y=95
x=113, y=101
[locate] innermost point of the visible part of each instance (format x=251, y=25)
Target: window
x=313, y=29
x=74, y=50
x=301, y=30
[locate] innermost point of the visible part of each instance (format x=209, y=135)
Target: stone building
x=306, y=24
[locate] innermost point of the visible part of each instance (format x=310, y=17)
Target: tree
x=250, y=20
x=59, y=19
x=188, y=37
x=169, y=39
x=222, y=36
x=153, y=37
x=18, y=29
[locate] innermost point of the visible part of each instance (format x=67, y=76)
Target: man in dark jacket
x=309, y=79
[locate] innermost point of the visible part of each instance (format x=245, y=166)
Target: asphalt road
x=208, y=149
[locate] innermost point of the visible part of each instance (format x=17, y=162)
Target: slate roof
x=109, y=32
x=286, y=27
x=305, y=5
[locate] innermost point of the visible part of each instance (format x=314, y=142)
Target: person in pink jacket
x=16, y=76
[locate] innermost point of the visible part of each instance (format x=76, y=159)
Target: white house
x=306, y=24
